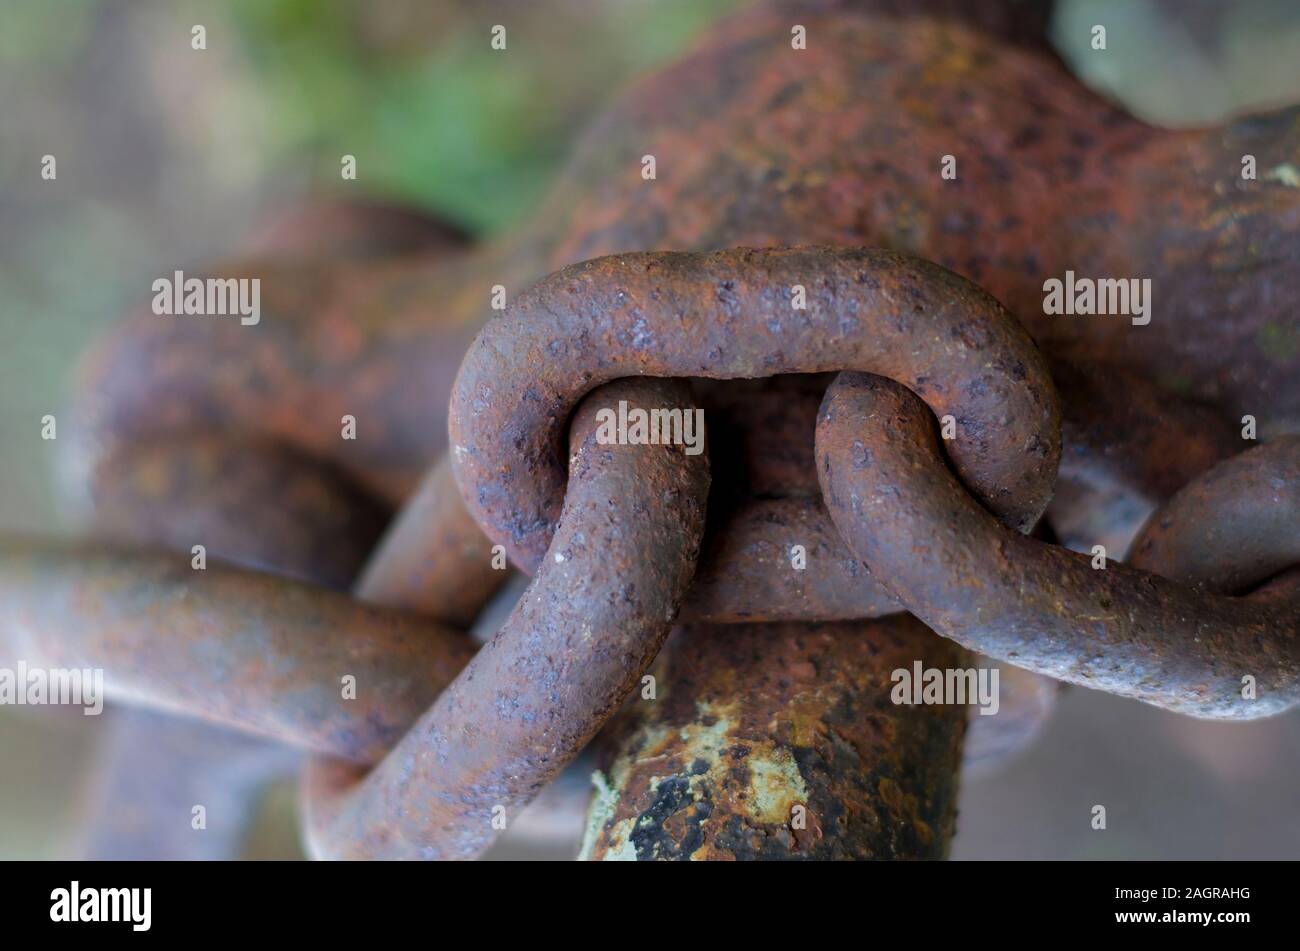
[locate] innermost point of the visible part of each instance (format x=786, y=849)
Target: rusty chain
x=774, y=694
x=538, y=691
x=447, y=739
x=1044, y=607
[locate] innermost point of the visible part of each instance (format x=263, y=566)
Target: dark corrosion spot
x=652, y=841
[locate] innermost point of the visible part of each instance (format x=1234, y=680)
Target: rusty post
x=781, y=741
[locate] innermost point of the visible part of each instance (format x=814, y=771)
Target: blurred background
x=167, y=156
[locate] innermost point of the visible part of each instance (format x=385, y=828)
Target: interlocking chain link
x=1046, y=608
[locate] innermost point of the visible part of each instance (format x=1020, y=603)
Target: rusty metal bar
x=433, y=558
x=238, y=647
x=1234, y=527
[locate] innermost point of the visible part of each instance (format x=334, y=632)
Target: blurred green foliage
x=439, y=118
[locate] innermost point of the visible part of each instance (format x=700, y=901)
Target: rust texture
x=730, y=314
x=1051, y=177
x=433, y=559
x=172, y=480
x=260, y=504
x=1129, y=447
x=201, y=430
x=845, y=139
x=1234, y=527
x=242, y=648
x=574, y=647
x=1037, y=606
x=751, y=721
x=765, y=500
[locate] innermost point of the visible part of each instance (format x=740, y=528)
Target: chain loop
x=1038, y=606
x=731, y=314
x=593, y=619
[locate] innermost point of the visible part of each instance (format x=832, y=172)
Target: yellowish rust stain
x=775, y=785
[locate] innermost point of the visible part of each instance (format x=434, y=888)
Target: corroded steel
x=535, y=695
x=1234, y=527
x=242, y=648
x=433, y=559
x=764, y=501
x=780, y=741
x=1038, y=606
x=260, y=504
x=841, y=144
x=732, y=314
x=191, y=431
x=1050, y=177
x=258, y=500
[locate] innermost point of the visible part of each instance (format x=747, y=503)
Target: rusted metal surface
x=1038, y=606
x=260, y=504
x=264, y=506
x=780, y=741
x=335, y=339
x=433, y=559
x=1234, y=527
x=764, y=502
x=353, y=230
x=840, y=144
x=1128, y=447
x=242, y=648
x=174, y=479
x=1050, y=177
x=727, y=315
x=534, y=696
x=746, y=572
